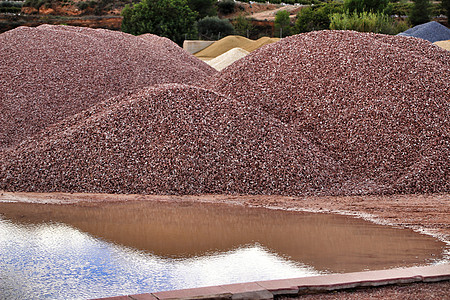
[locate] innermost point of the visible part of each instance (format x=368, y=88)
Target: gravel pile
x=222, y=61
x=171, y=139
x=233, y=41
x=431, y=31
x=51, y=72
x=377, y=104
x=443, y=44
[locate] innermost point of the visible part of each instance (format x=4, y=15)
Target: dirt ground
x=428, y=214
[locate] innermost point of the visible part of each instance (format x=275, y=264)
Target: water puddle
x=97, y=250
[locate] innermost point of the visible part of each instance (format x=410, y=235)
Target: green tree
x=420, y=12
x=204, y=8
x=365, y=5
x=446, y=6
x=243, y=26
x=316, y=17
x=226, y=6
x=168, y=18
x=283, y=23
x=213, y=26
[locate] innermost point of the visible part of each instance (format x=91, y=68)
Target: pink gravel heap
x=170, y=139
x=51, y=72
x=377, y=104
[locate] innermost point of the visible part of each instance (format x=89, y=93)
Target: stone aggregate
x=430, y=31
x=379, y=105
x=51, y=72
x=170, y=139
x=321, y=113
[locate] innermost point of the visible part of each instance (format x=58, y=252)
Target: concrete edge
x=263, y=290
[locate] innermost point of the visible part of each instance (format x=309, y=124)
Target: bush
x=420, y=12
x=446, y=7
x=226, y=6
x=213, y=26
x=365, y=5
x=243, y=26
x=282, y=23
x=367, y=22
x=401, y=8
x=204, y=8
x=316, y=17
x=167, y=18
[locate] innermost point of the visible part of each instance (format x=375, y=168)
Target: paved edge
x=296, y=286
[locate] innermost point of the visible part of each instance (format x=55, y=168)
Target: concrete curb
x=263, y=290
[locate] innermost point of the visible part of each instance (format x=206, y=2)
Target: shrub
x=243, y=26
x=282, y=23
x=366, y=22
x=226, y=6
x=420, y=12
x=167, y=18
x=446, y=7
x=316, y=17
x=365, y=5
x=213, y=26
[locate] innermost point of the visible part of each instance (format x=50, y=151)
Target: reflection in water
x=55, y=261
x=90, y=250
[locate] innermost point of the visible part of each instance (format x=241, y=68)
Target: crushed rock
x=377, y=104
x=51, y=72
x=233, y=41
x=443, y=44
x=222, y=61
x=170, y=139
x=431, y=31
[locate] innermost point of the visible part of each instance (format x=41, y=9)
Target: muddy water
x=98, y=250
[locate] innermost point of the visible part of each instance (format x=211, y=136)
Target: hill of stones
x=321, y=113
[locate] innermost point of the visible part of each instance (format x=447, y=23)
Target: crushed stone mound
x=233, y=41
x=443, y=44
x=170, y=139
x=431, y=31
x=377, y=104
x=50, y=72
x=222, y=61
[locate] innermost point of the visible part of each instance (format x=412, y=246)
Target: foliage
x=243, y=26
x=37, y=3
x=442, y=8
x=365, y=5
x=168, y=18
x=420, y=12
x=316, y=17
x=282, y=23
x=10, y=6
x=367, y=22
x=203, y=7
x=213, y=26
x=226, y=6
x=87, y=4
x=445, y=5
x=401, y=8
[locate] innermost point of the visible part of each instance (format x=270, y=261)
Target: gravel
x=233, y=41
x=431, y=31
x=321, y=113
x=379, y=105
x=222, y=61
x=443, y=44
x=413, y=291
x=51, y=72
x=170, y=139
